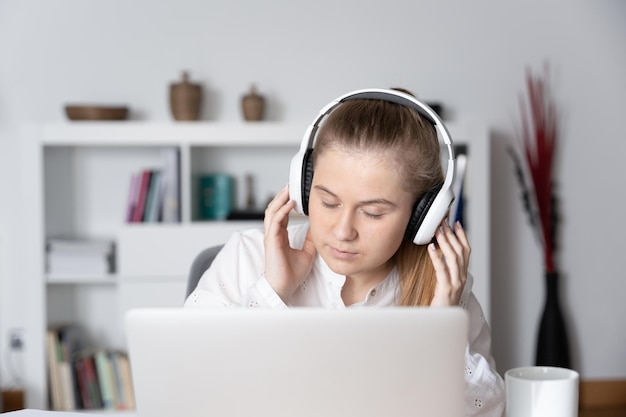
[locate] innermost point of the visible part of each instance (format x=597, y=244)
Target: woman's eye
x=328, y=205
x=372, y=215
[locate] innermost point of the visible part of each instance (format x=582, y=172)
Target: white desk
x=45, y=413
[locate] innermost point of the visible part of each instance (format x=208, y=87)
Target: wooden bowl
x=82, y=112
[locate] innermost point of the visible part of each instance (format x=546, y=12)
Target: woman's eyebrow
x=377, y=201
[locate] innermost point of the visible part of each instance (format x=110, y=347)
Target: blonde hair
x=406, y=136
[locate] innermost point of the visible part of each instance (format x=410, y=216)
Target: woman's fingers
x=277, y=210
x=278, y=201
x=285, y=267
x=450, y=258
x=462, y=236
x=455, y=245
x=436, y=257
x=450, y=250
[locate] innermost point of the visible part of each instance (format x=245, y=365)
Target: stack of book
x=82, y=379
x=154, y=193
x=80, y=257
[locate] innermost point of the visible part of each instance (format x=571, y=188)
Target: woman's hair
x=404, y=135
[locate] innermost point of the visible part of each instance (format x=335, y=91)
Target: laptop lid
x=299, y=362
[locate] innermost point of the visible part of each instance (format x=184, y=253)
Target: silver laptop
x=302, y=362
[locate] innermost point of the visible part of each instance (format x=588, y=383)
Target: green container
x=215, y=196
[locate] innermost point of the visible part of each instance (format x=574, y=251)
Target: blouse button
x=373, y=293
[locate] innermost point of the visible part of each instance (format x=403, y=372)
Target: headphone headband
x=300, y=175
x=393, y=96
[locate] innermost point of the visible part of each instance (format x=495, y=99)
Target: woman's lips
x=344, y=255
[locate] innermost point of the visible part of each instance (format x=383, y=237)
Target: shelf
x=91, y=163
x=68, y=280
x=136, y=133
x=83, y=279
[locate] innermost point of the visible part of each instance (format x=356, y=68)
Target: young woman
x=372, y=161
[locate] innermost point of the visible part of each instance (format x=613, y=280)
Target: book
x=123, y=380
x=82, y=378
x=153, y=201
x=117, y=379
x=144, y=184
x=92, y=381
x=67, y=386
x=54, y=373
x=171, y=185
x=63, y=341
x=78, y=245
x=80, y=256
x=88, y=387
x=67, y=264
x=126, y=380
x=133, y=193
x=104, y=371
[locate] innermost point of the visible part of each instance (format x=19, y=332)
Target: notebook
x=303, y=362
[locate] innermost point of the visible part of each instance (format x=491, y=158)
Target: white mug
x=541, y=391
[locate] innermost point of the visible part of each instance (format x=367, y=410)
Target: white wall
x=469, y=55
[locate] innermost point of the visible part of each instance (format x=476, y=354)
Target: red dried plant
x=539, y=140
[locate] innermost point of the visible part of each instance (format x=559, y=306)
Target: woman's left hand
x=450, y=257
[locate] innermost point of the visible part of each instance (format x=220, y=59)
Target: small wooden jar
x=185, y=99
x=253, y=105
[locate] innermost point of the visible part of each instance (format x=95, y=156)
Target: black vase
x=552, y=342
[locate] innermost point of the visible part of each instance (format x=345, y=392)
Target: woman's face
x=358, y=212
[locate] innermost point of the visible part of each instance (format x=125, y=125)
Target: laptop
x=300, y=362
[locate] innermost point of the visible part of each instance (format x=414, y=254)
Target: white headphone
x=430, y=209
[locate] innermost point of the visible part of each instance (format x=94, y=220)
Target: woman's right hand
x=285, y=267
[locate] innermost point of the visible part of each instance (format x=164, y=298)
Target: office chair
x=201, y=263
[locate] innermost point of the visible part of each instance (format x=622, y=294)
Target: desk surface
x=589, y=412
x=45, y=413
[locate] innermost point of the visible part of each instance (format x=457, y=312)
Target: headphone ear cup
x=307, y=179
x=420, y=211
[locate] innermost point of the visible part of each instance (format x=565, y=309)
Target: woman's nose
x=345, y=226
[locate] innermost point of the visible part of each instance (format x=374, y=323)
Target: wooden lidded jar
x=253, y=105
x=185, y=99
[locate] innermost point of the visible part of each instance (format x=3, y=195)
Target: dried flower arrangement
x=539, y=142
x=535, y=175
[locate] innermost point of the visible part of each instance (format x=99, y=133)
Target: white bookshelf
x=75, y=181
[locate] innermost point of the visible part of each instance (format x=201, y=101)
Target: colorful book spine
x=127, y=381
x=142, y=196
x=171, y=185
x=54, y=376
x=153, y=199
x=105, y=379
x=83, y=383
x=93, y=384
x=133, y=194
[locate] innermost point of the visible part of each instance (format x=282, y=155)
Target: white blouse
x=235, y=279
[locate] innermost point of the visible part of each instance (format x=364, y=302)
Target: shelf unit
x=77, y=176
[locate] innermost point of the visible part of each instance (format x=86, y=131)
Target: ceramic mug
x=541, y=391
